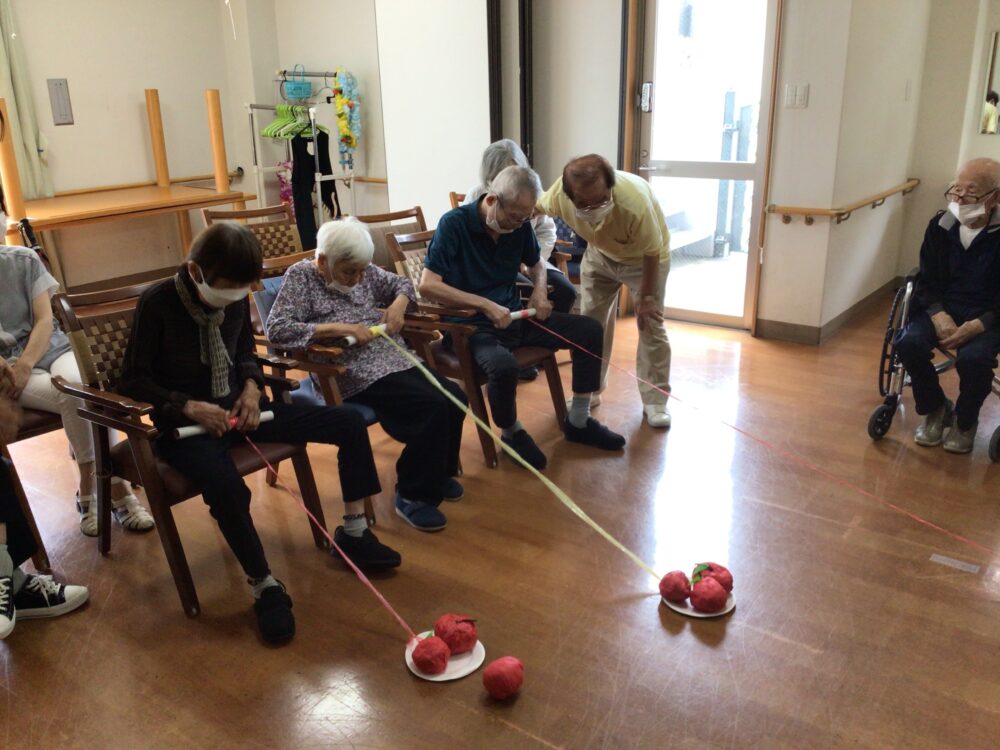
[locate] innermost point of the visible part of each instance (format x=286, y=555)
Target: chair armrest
x=420, y=317
x=279, y=384
x=277, y=361
x=132, y=426
x=558, y=256
x=105, y=399
x=436, y=310
x=563, y=243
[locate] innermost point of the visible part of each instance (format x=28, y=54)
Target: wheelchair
x=892, y=376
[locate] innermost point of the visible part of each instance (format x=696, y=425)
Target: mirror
x=991, y=97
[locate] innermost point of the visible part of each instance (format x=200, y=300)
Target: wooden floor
x=845, y=634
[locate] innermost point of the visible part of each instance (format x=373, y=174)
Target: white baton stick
x=351, y=340
x=196, y=429
x=522, y=314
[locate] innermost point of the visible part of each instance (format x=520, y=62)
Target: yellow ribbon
x=552, y=487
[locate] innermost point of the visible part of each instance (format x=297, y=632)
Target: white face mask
x=218, y=298
x=336, y=286
x=595, y=215
x=967, y=213
x=493, y=224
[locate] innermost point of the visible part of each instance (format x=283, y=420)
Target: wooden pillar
x=156, y=137
x=219, y=163
x=10, y=178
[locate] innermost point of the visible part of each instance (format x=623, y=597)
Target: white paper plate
x=458, y=666
x=686, y=609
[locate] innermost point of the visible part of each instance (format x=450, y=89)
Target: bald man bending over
x=957, y=306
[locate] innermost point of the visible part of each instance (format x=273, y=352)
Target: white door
x=703, y=116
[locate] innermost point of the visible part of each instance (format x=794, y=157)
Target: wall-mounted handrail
x=841, y=214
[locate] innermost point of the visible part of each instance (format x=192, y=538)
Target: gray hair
x=498, y=156
x=345, y=239
x=513, y=182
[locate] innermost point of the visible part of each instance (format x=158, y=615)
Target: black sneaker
x=41, y=596
x=594, y=434
x=521, y=442
x=527, y=374
x=274, y=614
x=365, y=551
x=8, y=616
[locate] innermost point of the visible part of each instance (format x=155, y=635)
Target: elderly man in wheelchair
x=956, y=307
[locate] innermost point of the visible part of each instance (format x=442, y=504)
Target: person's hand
x=543, y=308
x=497, y=314
x=10, y=419
x=648, y=313
x=362, y=333
x=393, y=319
x=963, y=334
x=944, y=325
x=21, y=373
x=6, y=379
x=213, y=418
x=246, y=410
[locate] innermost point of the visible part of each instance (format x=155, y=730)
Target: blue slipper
x=419, y=515
x=453, y=491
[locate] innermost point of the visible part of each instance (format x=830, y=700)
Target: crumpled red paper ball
x=503, y=677
x=431, y=655
x=458, y=631
x=675, y=586
x=708, y=596
x=713, y=570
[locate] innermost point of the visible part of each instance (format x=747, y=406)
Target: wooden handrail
x=841, y=214
x=238, y=172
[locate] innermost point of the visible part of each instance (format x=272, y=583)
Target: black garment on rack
x=304, y=182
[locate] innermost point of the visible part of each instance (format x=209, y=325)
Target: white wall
x=510, y=69
x=325, y=34
x=435, y=94
x=577, y=61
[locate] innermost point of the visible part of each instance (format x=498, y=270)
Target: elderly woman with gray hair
x=341, y=293
x=498, y=156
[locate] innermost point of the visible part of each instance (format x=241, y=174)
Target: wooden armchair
x=455, y=361
x=275, y=229
x=408, y=220
x=99, y=325
x=456, y=198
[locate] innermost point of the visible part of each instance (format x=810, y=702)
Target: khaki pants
x=600, y=279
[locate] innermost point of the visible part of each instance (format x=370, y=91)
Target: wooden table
x=62, y=212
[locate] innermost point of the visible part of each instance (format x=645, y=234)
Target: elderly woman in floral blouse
x=340, y=294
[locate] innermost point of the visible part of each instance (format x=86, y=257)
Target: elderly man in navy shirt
x=473, y=262
x=956, y=306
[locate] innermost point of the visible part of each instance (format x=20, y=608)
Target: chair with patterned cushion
x=273, y=226
x=397, y=222
x=455, y=359
x=99, y=326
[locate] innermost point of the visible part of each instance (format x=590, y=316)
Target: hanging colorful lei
x=345, y=93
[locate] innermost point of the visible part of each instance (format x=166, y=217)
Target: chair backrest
x=408, y=252
x=397, y=222
x=456, y=198
x=99, y=325
x=264, y=298
x=273, y=225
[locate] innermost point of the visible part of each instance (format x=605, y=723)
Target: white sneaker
x=8, y=615
x=657, y=415
x=131, y=515
x=595, y=401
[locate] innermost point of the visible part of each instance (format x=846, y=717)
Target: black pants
x=491, y=349
x=563, y=293
x=975, y=363
x=20, y=543
x=206, y=460
x=415, y=413
x=304, y=184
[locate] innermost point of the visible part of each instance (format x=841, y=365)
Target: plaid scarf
x=213, y=348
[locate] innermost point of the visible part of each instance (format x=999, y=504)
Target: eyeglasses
x=596, y=207
x=955, y=193
x=517, y=221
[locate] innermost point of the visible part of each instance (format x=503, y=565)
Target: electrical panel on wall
x=62, y=109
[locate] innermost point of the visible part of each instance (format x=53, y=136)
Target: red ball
x=675, y=587
x=503, y=677
x=458, y=631
x=708, y=596
x=713, y=570
x=431, y=655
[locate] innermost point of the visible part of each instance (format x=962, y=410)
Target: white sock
x=6, y=564
x=579, y=410
x=258, y=585
x=509, y=431
x=19, y=578
x=355, y=525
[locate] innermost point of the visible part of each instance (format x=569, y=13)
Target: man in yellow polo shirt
x=628, y=243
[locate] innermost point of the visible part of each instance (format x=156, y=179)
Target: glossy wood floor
x=845, y=633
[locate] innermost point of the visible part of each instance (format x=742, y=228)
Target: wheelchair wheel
x=995, y=446
x=881, y=420
x=893, y=327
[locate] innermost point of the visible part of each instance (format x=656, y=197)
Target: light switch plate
x=62, y=109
